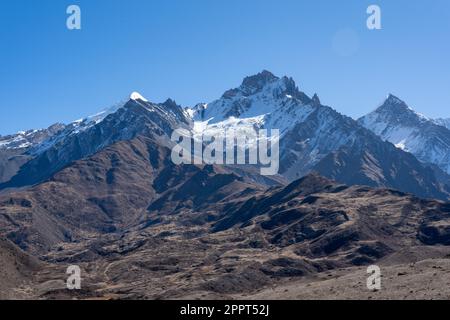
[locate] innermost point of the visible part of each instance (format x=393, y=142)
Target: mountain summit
x=396, y=122
x=394, y=111
x=258, y=95
x=137, y=96
x=259, y=80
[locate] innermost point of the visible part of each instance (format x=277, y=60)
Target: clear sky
x=194, y=50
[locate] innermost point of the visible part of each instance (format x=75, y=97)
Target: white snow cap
x=137, y=96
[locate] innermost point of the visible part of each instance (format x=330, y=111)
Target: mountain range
x=103, y=192
x=314, y=138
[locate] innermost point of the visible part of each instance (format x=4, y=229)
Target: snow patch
x=401, y=145
x=137, y=96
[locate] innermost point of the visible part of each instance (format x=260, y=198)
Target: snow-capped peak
x=395, y=110
x=393, y=105
x=261, y=101
x=392, y=99
x=396, y=122
x=261, y=95
x=137, y=96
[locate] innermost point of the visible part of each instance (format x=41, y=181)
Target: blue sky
x=194, y=50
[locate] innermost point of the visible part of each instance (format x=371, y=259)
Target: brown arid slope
x=140, y=227
x=427, y=279
x=16, y=271
x=117, y=189
x=104, y=194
